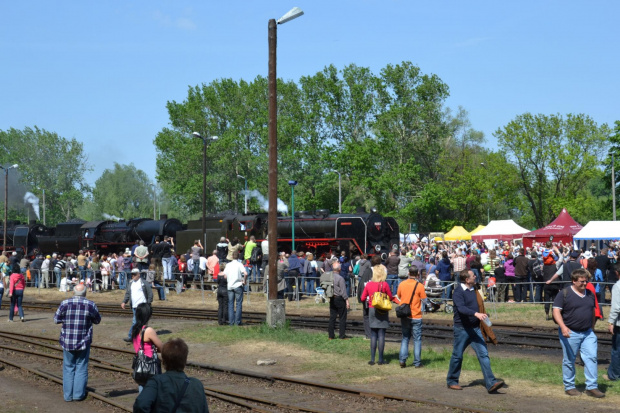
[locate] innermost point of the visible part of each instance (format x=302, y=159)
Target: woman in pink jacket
x=378, y=320
x=17, y=283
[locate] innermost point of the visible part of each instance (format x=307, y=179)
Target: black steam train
x=319, y=232
x=75, y=235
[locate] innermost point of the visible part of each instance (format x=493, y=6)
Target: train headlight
x=394, y=246
x=377, y=247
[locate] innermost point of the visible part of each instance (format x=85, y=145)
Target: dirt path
x=419, y=383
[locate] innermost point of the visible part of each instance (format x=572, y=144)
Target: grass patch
x=354, y=353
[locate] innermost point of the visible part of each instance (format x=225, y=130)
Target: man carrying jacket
x=138, y=291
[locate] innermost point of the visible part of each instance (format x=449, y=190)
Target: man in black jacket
x=365, y=277
x=604, y=264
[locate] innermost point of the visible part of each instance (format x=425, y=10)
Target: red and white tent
x=563, y=228
x=503, y=230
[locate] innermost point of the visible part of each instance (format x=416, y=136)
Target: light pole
x=293, y=184
x=154, y=201
x=205, y=140
x=272, y=37
x=246, y=193
x=488, y=198
x=339, y=191
x=6, y=201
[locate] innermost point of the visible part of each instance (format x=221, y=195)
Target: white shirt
x=137, y=294
x=203, y=263
x=234, y=271
x=45, y=266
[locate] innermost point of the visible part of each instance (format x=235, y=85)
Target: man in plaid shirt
x=77, y=315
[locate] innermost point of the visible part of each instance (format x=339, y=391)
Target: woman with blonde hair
x=379, y=320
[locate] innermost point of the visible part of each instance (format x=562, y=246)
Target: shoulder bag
x=404, y=310
x=145, y=367
x=381, y=301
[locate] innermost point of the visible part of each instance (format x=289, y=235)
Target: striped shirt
x=77, y=315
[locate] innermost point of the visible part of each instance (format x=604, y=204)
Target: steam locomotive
x=70, y=237
x=317, y=231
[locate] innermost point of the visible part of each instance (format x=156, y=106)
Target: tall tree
x=48, y=162
x=555, y=155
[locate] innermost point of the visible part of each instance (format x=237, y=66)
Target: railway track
x=515, y=335
x=226, y=389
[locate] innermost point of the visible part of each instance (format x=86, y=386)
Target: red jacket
x=372, y=287
x=16, y=282
x=597, y=309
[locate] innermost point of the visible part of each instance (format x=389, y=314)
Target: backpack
x=356, y=269
x=548, y=257
x=537, y=270
x=327, y=284
x=257, y=253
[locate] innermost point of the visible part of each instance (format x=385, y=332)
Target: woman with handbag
x=379, y=296
x=17, y=284
x=145, y=338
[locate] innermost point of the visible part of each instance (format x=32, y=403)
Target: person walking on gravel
x=573, y=310
x=138, y=291
x=77, y=316
x=467, y=332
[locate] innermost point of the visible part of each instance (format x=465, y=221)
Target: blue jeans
x=252, y=271
x=392, y=280
x=18, y=296
x=161, y=291
x=464, y=337
x=35, y=277
x=167, y=264
x=309, y=283
x=614, y=364
x=1, y=295
x=447, y=292
x=235, y=296
x=75, y=374
x=133, y=322
x=82, y=270
x=121, y=280
x=585, y=341
x=411, y=327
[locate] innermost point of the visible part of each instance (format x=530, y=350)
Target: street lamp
x=154, y=201
x=272, y=36
x=488, y=198
x=204, y=184
x=246, y=193
x=6, y=200
x=293, y=184
x=339, y=191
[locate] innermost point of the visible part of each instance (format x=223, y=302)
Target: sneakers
x=402, y=365
x=595, y=393
x=22, y=318
x=371, y=363
x=127, y=340
x=573, y=392
x=498, y=385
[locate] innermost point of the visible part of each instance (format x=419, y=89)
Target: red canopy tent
x=562, y=229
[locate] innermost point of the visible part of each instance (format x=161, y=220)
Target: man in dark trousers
x=467, y=332
x=339, y=303
x=604, y=264
x=613, y=371
x=520, y=264
x=365, y=277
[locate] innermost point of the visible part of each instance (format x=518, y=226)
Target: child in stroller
x=434, y=290
x=320, y=295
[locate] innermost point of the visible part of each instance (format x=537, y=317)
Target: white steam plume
x=111, y=217
x=32, y=199
x=264, y=202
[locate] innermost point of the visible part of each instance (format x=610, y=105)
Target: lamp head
x=294, y=13
x=292, y=183
x=14, y=166
x=239, y=176
x=197, y=135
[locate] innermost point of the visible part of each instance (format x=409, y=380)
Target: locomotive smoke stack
x=32, y=222
x=164, y=216
x=360, y=210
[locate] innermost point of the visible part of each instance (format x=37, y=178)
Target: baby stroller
x=320, y=295
x=434, y=291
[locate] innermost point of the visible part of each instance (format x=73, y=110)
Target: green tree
x=48, y=162
x=556, y=157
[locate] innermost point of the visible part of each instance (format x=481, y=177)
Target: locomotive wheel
x=449, y=308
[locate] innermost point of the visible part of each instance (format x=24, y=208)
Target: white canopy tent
x=409, y=237
x=599, y=232
x=505, y=230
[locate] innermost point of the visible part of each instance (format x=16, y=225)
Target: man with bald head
x=77, y=315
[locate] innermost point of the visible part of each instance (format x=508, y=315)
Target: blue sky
x=102, y=72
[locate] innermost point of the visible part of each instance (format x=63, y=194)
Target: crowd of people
x=571, y=282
